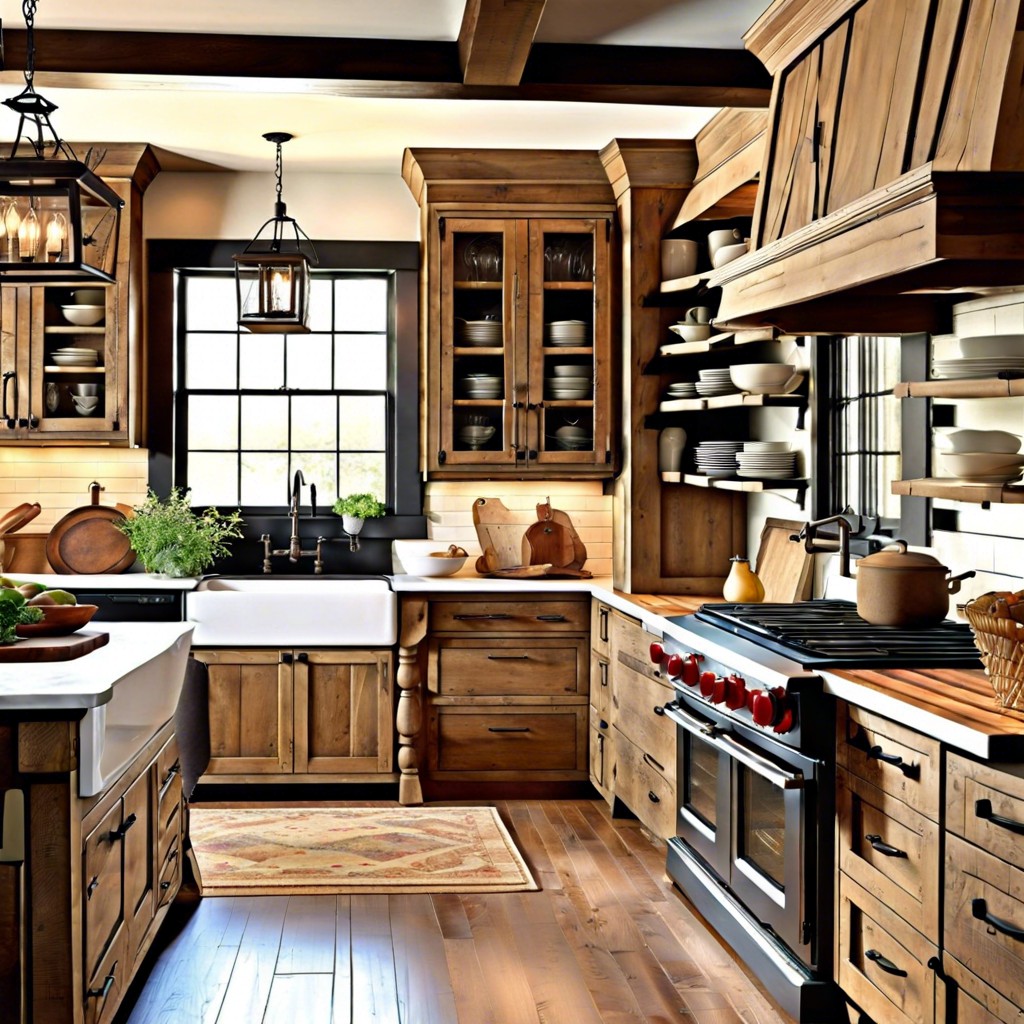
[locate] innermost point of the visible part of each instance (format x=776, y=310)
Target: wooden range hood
x=893, y=178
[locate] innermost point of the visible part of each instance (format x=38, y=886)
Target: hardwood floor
x=608, y=940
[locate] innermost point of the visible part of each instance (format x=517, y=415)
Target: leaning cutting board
x=53, y=648
x=87, y=540
x=501, y=536
x=554, y=539
x=784, y=566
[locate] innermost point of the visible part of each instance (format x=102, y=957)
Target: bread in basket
x=997, y=621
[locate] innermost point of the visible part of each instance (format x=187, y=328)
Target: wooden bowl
x=58, y=620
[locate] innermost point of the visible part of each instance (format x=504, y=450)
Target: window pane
x=213, y=478
x=321, y=309
x=265, y=478
x=362, y=472
x=210, y=361
x=309, y=361
x=320, y=468
x=363, y=424
x=265, y=421
x=212, y=304
x=361, y=362
x=314, y=422
x=212, y=421
x=362, y=304
x=261, y=361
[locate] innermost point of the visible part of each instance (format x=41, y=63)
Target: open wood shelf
x=726, y=483
x=960, y=490
x=743, y=399
x=74, y=369
x=975, y=387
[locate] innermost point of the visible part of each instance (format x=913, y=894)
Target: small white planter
x=352, y=524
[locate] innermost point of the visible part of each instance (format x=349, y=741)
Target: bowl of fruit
x=30, y=609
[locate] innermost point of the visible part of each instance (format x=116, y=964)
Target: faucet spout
x=840, y=543
x=294, y=544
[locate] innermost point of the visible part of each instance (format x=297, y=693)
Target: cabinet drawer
x=600, y=683
x=637, y=712
x=491, y=615
x=882, y=961
x=980, y=886
x=631, y=648
x=985, y=806
x=508, y=668
x=642, y=788
x=974, y=1002
x=519, y=740
x=170, y=874
x=899, y=761
x=601, y=629
x=600, y=752
x=107, y=984
x=890, y=849
x=102, y=879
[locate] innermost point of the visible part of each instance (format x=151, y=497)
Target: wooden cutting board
x=554, y=539
x=53, y=648
x=784, y=567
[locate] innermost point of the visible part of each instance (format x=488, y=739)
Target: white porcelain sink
x=285, y=611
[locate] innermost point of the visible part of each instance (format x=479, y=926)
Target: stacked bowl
x=569, y=381
x=572, y=438
x=984, y=456
x=481, y=385
x=73, y=356
x=475, y=436
x=479, y=333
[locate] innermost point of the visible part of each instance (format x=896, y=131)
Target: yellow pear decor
x=742, y=585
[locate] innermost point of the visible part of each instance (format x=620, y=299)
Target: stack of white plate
x=984, y=467
x=567, y=387
x=681, y=389
x=977, y=366
x=481, y=385
x=717, y=458
x=565, y=333
x=715, y=382
x=766, y=460
x=75, y=356
x=479, y=333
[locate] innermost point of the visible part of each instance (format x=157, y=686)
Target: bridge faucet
x=294, y=550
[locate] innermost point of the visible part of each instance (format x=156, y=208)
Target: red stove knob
x=735, y=693
x=719, y=690
x=707, y=683
x=657, y=653
x=674, y=665
x=691, y=670
x=772, y=708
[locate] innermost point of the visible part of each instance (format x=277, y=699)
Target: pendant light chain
x=28, y=10
x=278, y=169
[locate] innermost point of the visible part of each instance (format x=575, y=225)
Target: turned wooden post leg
x=408, y=720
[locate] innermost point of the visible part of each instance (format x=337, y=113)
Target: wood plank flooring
x=608, y=940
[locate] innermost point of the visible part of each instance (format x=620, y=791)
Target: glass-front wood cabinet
x=519, y=352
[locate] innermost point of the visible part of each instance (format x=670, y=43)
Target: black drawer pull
x=508, y=728
x=935, y=964
x=878, y=754
x=983, y=809
x=470, y=618
x=108, y=984
x=886, y=964
x=552, y=618
x=604, y=672
x=119, y=833
x=880, y=847
x=602, y=724
x=650, y=760
x=164, y=886
x=92, y=886
x=303, y=657
x=653, y=797
x=508, y=657
x=980, y=910
x=658, y=710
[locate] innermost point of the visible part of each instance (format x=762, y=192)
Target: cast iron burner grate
x=830, y=634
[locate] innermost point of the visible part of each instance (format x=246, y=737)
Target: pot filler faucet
x=294, y=550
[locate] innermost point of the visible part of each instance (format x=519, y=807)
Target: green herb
x=362, y=506
x=15, y=612
x=172, y=539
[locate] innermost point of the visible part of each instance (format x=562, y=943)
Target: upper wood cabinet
x=37, y=380
x=871, y=206
x=517, y=315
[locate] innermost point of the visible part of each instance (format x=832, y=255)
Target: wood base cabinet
x=299, y=715
x=601, y=752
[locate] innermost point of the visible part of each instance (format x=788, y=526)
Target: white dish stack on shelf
x=72, y=356
x=716, y=382
x=479, y=333
x=717, y=458
x=569, y=382
x=983, y=356
x=984, y=456
x=482, y=385
x=766, y=460
x=566, y=333
x=681, y=389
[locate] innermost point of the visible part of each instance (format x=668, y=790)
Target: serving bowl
x=990, y=467
x=83, y=315
x=967, y=441
x=747, y=376
x=58, y=620
x=992, y=346
x=426, y=558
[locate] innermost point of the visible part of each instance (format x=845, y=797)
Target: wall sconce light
x=59, y=218
x=272, y=274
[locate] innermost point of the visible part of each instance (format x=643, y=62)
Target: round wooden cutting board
x=87, y=540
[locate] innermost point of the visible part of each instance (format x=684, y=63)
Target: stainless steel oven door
x=763, y=843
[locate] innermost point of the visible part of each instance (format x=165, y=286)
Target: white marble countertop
x=87, y=681
x=108, y=581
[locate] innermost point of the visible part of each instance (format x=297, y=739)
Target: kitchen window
x=339, y=403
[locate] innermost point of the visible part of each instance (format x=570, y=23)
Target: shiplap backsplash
x=448, y=507
x=58, y=478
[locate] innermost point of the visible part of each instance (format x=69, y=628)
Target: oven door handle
x=751, y=759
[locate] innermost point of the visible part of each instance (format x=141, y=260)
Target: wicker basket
x=1001, y=642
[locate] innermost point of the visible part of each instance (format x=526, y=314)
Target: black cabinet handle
x=9, y=417
x=92, y=887
x=653, y=797
x=602, y=624
x=108, y=984
x=935, y=964
x=171, y=772
x=980, y=910
x=119, y=833
x=983, y=809
x=886, y=964
x=552, y=618
x=303, y=657
x=878, y=754
x=880, y=847
x=603, y=670
x=286, y=657
x=650, y=760
x=508, y=728
x=658, y=710
x=499, y=615
x=508, y=657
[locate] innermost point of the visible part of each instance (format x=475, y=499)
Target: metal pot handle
x=954, y=581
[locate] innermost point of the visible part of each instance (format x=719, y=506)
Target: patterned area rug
x=261, y=851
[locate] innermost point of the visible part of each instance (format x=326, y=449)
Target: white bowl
x=992, y=346
x=727, y=254
x=721, y=238
x=425, y=558
x=692, y=332
x=761, y=375
x=83, y=316
x=571, y=370
x=975, y=465
x=985, y=441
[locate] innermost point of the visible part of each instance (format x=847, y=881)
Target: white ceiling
x=224, y=124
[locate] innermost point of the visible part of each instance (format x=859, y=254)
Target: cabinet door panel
x=642, y=788
x=102, y=878
x=139, y=858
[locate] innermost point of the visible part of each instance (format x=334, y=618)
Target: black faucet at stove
x=294, y=551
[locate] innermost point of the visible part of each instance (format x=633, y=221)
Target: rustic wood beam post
x=409, y=713
x=495, y=40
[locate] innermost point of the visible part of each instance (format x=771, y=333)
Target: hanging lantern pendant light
x=272, y=274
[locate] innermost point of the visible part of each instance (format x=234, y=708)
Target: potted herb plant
x=355, y=508
x=172, y=540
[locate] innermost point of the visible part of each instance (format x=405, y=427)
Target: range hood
x=893, y=178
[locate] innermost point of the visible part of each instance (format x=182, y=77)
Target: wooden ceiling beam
x=495, y=40
x=395, y=68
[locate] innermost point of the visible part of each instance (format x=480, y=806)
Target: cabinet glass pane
x=568, y=256
x=211, y=361
x=212, y=421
